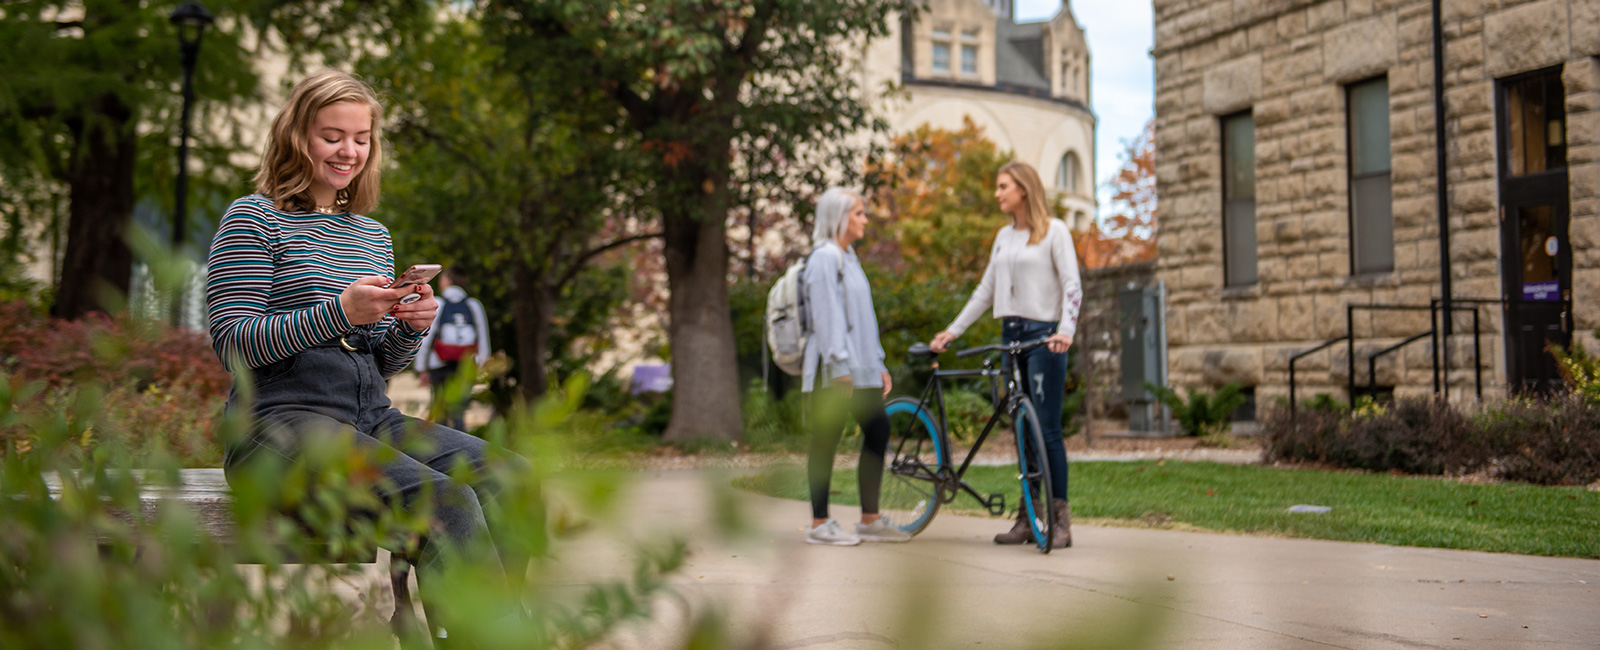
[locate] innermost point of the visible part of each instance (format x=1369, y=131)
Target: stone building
x=1296, y=164
x=1026, y=84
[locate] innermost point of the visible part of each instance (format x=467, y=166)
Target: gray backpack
x=788, y=323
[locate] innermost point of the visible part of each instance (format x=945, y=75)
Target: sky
x=1122, y=75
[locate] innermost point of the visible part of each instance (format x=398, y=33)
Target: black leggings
x=830, y=407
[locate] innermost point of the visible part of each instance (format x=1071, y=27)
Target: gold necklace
x=328, y=209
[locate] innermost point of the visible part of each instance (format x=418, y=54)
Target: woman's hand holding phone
x=417, y=307
x=419, y=313
x=408, y=298
x=367, y=299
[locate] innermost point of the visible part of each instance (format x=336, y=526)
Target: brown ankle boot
x=1020, y=533
x=1061, y=537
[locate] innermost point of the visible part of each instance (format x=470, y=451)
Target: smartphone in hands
x=417, y=274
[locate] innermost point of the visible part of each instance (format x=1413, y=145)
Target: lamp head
x=191, y=19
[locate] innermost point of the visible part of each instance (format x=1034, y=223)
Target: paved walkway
x=408, y=394
x=1117, y=587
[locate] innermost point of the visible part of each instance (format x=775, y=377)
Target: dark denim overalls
x=336, y=389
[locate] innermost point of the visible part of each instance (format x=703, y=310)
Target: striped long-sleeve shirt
x=273, y=280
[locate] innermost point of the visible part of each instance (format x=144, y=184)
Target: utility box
x=1144, y=354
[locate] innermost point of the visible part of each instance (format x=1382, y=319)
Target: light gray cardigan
x=844, y=328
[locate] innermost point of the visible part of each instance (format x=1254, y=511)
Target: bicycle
x=920, y=474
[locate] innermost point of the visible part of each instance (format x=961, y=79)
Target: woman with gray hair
x=844, y=356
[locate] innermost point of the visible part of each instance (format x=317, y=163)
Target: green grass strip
x=1378, y=508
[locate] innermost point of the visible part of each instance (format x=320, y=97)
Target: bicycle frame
x=949, y=482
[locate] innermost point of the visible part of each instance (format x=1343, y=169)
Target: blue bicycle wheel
x=917, y=450
x=1033, y=473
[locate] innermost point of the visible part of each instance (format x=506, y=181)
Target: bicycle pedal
x=996, y=503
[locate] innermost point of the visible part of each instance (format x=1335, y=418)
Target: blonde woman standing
x=1032, y=286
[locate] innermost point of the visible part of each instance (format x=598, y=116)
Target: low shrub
x=1416, y=436
x=1579, y=369
x=772, y=424
x=966, y=412
x=1555, y=442
x=1545, y=442
x=1072, y=413
x=156, y=384
x=1301, y=436
x=1208, y=415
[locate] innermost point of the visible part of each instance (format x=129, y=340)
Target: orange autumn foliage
x=1128, y=235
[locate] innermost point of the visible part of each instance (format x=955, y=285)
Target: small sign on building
x=1547, y=291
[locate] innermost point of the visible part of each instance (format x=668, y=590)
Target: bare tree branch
x=592, y=253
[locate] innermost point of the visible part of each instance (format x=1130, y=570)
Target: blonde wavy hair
x=286, y=166
x=1038, y=217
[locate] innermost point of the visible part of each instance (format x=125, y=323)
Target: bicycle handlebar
x=1018, y=347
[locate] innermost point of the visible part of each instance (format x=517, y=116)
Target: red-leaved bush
x=110, y=352
x=162, y=386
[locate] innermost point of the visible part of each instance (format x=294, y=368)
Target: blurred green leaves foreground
x=90, y=564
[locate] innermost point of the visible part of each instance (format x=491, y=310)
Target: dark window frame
x=1373, y=264
x=1232, y=278
x=1503, y=163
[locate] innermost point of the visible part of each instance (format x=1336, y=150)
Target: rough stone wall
x=1289, y=61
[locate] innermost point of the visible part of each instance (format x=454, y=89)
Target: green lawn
x=1381, y=508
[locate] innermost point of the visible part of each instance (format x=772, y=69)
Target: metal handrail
x=1323, y=346
x=1440, y=385
x=1433, y=308
x=1350, y=340
x=1443, y=389
x=1372, y=361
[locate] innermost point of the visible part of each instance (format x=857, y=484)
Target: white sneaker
x=881, y=530
x=830, y=533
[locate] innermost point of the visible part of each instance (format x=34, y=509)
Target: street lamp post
x=191, y=19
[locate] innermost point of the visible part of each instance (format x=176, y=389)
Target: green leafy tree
x=726, y=99
x=89, y=110
x=520, y=179
x=934, y=205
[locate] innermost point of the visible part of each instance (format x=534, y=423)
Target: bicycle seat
x=921, y=350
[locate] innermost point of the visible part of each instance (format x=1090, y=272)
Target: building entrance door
x=1535, y=259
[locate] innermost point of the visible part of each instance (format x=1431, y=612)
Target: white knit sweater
x=1038, y=282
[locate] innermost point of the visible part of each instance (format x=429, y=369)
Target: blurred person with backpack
x=460, y=332
x=843, y=369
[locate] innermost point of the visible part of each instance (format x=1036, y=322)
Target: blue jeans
x=326, y=393
x=1044, y=377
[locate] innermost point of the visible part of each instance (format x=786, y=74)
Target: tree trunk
x=705, y=374
x=532, y=307
x=97, y=267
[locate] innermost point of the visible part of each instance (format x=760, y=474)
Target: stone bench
x=205, y=493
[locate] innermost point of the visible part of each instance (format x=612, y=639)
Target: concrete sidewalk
x=953, y=588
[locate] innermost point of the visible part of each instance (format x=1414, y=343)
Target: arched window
x=1067, y=174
